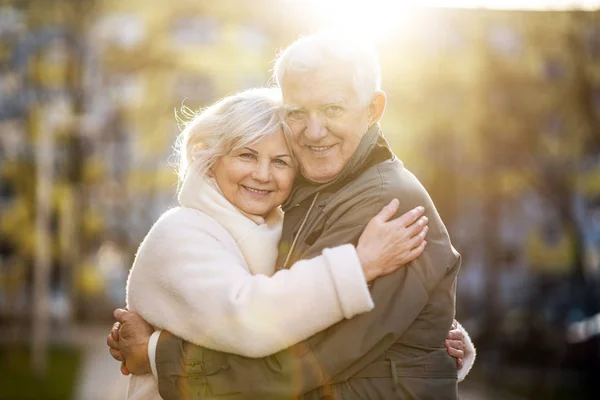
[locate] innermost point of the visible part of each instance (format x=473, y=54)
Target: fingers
x=116, y=354
x=413, y=254
x=459, y=363
x=416, y=240
x=112, y=343
x=457, y=334
x=115, y=330
x=455, y=353
x=416, y=252
x=454, y=348
x=388, y=211
x=125, y=371
x=417, y=228
x=456, y=344
x=410, y=217
x=121, y=314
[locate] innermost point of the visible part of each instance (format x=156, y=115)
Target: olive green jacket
x=395, y=351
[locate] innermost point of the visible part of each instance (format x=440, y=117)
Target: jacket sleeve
x=341, y=350
x=187, y=281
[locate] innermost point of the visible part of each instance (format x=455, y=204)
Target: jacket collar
x=372, y=149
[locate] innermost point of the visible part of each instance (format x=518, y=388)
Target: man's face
x=327, y=121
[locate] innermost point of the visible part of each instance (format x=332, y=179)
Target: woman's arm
x=186, y=281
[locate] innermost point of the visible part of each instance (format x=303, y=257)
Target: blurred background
x=494, y=105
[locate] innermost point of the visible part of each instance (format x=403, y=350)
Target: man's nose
x=262, y=172
x=315, y=128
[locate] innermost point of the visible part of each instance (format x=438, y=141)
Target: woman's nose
x=262, y=172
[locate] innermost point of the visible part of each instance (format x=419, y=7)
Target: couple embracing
x=304, y=260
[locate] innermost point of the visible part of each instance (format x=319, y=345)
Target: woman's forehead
x=274, y=143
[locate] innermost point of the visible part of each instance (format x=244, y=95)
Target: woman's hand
x=386, y=245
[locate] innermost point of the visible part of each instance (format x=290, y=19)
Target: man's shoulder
x=367, y=193
x=385, y=181
x=398, y=180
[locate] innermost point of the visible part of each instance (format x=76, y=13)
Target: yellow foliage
x=550, y=258
x=16, y=218
x=92, y=224
x=93, y=170
x=589, y=183
x=90, y=280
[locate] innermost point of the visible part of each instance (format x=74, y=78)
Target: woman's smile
x=256, y=191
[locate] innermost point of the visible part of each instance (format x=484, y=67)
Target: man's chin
x=319, y=176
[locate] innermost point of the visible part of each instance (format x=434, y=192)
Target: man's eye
x=332, y=111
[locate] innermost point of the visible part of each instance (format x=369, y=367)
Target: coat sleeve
x=335, y=353
x=188, y=282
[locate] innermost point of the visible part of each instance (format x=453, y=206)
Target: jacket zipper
x=293, y=246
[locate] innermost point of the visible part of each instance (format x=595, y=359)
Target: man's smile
x=320, y=150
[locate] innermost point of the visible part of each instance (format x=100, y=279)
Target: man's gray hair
x=333, y=50
x=233, y=122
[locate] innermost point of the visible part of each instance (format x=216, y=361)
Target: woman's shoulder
x=187, y=221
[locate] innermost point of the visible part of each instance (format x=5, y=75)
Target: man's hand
x=128, y=342
x=455, y=344
x=113, y=346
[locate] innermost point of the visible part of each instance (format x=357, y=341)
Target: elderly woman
x=206, y=270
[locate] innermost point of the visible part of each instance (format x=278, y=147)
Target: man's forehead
x=317, y=95
x=320, y=86
x=313, y=100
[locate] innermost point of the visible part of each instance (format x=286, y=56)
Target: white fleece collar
x=257, y=237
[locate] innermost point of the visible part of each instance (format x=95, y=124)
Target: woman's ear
x=377, y=106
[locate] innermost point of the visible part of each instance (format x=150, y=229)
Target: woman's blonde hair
x=233, y=122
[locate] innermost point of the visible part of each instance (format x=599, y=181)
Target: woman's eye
x=280, y=162
x=248, y=156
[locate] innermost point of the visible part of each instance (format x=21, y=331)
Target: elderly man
x=331, y=90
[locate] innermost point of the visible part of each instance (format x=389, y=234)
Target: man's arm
x=338, y=351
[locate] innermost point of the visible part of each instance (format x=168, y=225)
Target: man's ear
x=377, y=106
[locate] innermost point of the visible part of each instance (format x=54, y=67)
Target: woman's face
x=258, y=178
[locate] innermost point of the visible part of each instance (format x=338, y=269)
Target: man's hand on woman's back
x=455, y=344
x=128, y=342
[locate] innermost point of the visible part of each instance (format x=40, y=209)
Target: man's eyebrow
x=290, y=107
x=333, y=102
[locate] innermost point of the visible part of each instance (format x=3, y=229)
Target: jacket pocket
x=209, y=372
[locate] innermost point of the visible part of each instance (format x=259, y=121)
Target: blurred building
x=150, y=59
x=499, y=107
x=107, y=78
x=39, y=92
